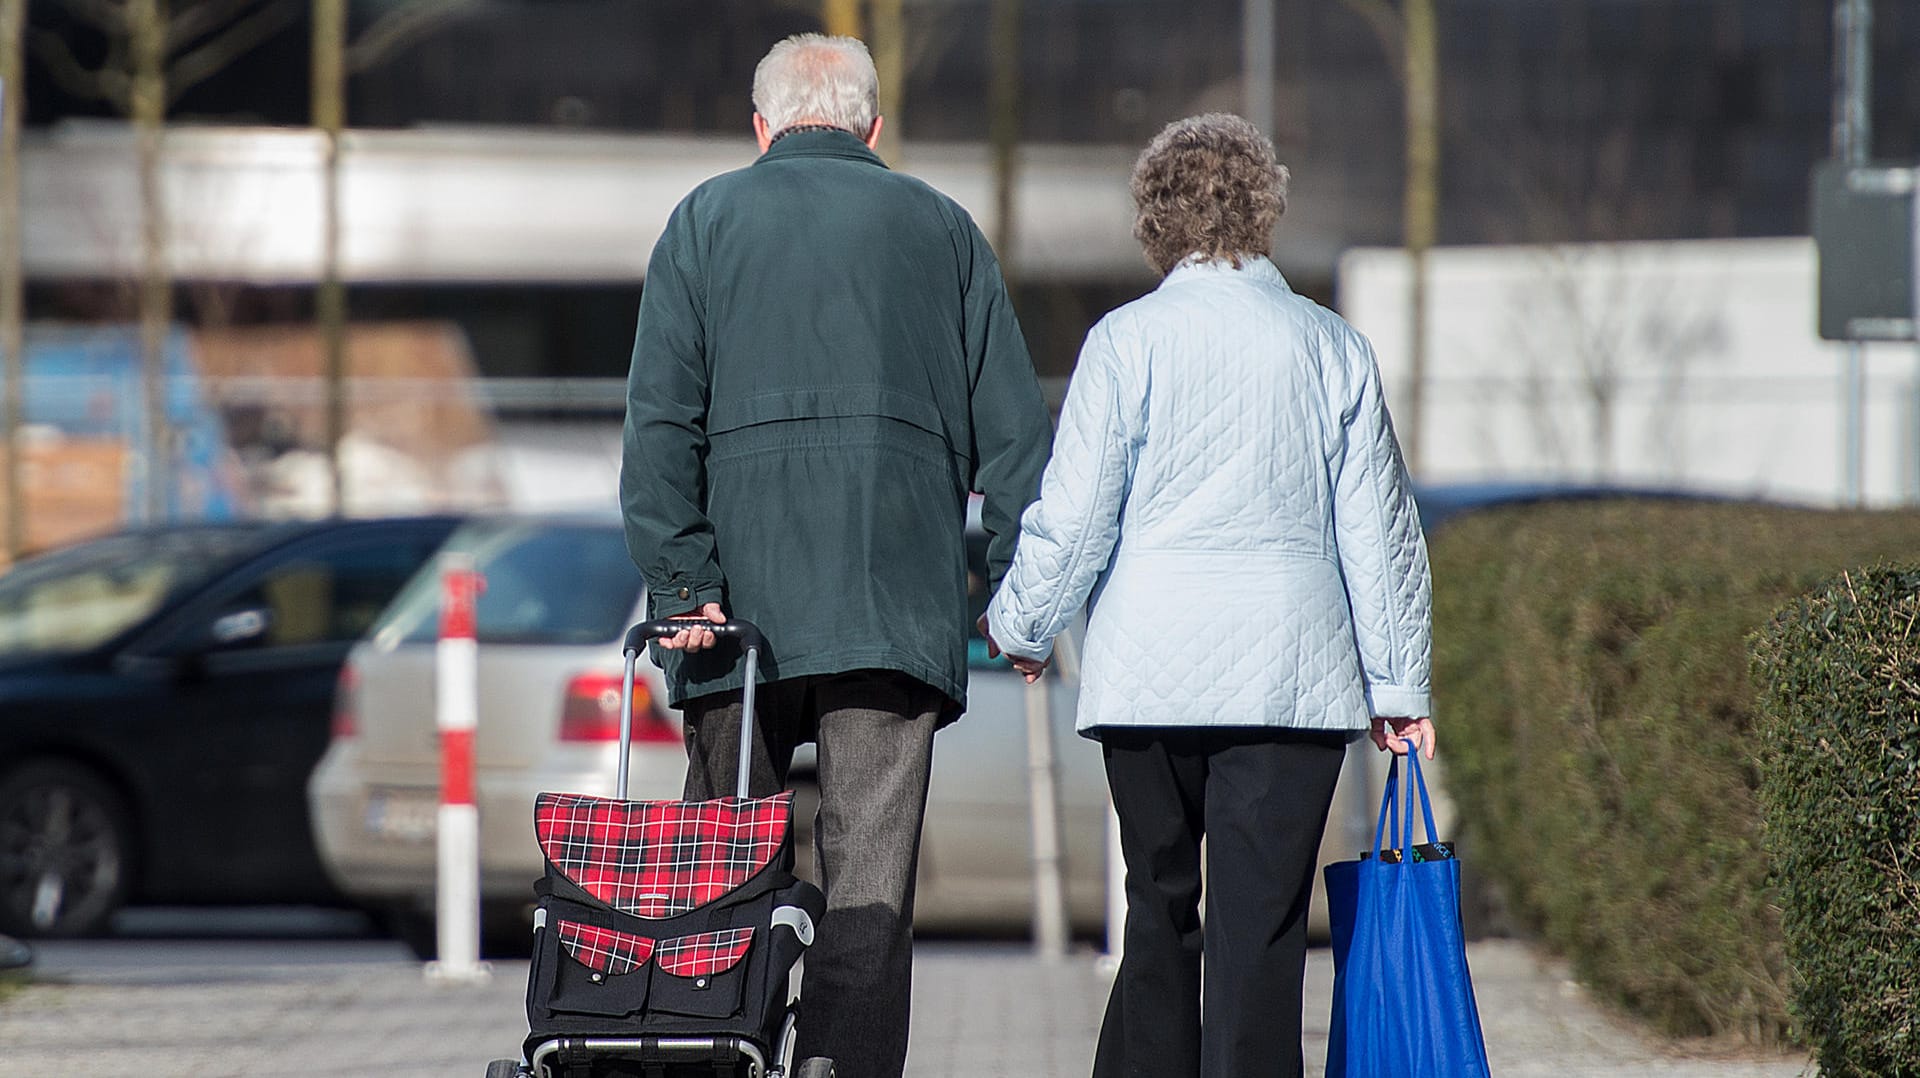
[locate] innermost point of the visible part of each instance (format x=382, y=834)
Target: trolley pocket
x=701, y=976
x=598, y=971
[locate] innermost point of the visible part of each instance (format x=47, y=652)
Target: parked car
x=560, y=593
x=164, y=694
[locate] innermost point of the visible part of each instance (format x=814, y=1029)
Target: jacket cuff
x=1399, y=702
x=1011, y=642
x=683, y=596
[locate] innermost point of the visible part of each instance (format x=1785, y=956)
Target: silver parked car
x=559, y=595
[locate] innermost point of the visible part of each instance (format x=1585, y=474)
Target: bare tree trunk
x=1003, y=129
x=1422, y=201
x=147, y=36
x=890, y=63
x=842, y=17
x=13, y=16
x=329, y=115
x=1256, y=63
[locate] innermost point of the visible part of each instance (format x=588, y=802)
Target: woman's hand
x=1031, y=669
x=1399, y=735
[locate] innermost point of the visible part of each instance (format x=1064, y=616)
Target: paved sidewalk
x=980, y=1010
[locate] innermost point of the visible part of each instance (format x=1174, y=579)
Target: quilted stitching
x=705, y=954
x=1271, y=570
x=660, y=858
x=603, y=949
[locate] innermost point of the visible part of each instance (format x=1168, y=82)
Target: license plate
x=403, y=815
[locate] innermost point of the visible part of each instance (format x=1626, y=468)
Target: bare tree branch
x=401, y=27
x=1388, y=27
x=108, y=83
x=195, y=21
x=197, y=66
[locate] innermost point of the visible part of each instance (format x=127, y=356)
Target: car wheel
x=66, y=851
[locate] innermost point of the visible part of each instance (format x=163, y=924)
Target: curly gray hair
x=1210, y=186
x=813, y=78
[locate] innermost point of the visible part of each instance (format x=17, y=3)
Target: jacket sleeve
x=1009, y=418
x=664, y=447
x=1067, y=536
x=1383, y=554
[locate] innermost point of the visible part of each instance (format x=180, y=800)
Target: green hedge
x=1591, y=686
x=1839, y=676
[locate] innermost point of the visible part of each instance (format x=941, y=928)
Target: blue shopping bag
x=1402, y=997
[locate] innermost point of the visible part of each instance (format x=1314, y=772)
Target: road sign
x=1864, y=225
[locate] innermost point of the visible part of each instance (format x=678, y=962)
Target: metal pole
x=626, y=724
x=743, y=775
x=456, y=714
x=1853, y=143
x=1256, y=63
x=13, y=15
x=1049, y=881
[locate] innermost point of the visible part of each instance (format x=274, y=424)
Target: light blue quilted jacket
x=1226, y=491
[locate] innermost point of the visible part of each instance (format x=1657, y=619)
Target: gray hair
x=813, y=78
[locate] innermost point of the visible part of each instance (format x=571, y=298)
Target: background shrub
x=1839, y=677
x=1591, y=681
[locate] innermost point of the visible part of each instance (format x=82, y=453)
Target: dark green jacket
x=826, y=364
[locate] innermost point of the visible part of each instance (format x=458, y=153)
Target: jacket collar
x=841, y=144
x=1197, y=267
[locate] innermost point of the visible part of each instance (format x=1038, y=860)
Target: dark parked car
x=164, y=695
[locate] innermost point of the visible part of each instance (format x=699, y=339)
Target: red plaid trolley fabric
x=603, y=949
x=660, y=858
x=705, y=954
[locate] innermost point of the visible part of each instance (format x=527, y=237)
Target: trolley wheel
x=505, y=1068
x=66, y=851
x=815, y=1067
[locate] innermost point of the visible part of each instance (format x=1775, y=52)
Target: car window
x=322, y=594
x=330, y=597
x=79, y=598
x=545, y=583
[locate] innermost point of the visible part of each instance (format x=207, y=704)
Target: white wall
x=1707, y=351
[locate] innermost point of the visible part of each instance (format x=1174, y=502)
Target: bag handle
x=1389, y=811
x=1390, y=808
x=1418, y=779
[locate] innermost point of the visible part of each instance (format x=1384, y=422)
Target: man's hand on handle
x=694, y=637
x=1399, y=735
x=1031, y=669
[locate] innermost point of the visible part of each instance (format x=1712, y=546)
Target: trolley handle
x=746, y=632
x=750, y=638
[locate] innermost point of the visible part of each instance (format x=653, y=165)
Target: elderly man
x=826, y=364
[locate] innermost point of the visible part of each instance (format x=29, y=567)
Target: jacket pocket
x=598, y=971
x=702, y=976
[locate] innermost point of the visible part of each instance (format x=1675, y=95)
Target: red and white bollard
x=457, y=708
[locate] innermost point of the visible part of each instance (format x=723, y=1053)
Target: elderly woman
x=1226, y=490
